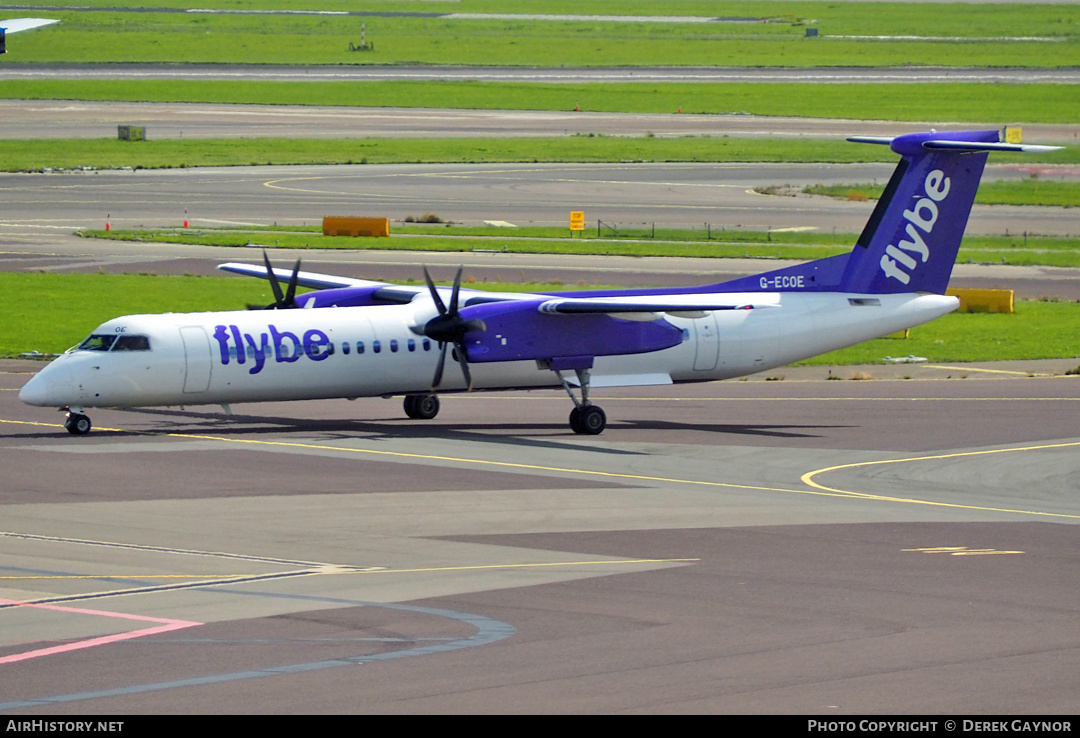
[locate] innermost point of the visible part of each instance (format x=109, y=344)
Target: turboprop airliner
x=353, y=338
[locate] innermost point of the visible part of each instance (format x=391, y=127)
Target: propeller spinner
x=449, y=327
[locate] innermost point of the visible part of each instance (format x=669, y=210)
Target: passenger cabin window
x=132, y=343
x=393, y=345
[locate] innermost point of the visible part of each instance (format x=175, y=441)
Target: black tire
x=422, y=407
x=575, y=420
x=427, y=406
x=592, y=420
x=77, y=424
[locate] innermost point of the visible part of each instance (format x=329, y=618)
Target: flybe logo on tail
x=897, y=261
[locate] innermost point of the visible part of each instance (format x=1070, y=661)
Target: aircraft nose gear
x=77, y=424
x=586, y=418
x=422, y=407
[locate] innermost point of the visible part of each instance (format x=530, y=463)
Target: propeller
x=282, y=301
x=449, y=327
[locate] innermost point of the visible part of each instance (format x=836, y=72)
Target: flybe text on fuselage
x=285, y=346
x=896, y=262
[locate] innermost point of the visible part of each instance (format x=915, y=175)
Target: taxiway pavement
x=797, y=545
x=709, y=197
x=804, y=545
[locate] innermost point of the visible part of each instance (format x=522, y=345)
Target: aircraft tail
x=912, y=238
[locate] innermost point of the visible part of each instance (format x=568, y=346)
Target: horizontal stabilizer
x=884, y=140
x=976, y=146
x=955, y=144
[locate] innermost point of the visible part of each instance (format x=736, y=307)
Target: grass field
x=31, y=155
x=41, y=306
x=754, y=34
x=955, y=102
x=38, y=154
x=1037, y=330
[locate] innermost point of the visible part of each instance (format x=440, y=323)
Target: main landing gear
x=76, y=423
x=422, y=407
x=586, y=418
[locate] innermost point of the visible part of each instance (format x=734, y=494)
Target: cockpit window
x=113, y=342
x=98, y=342
x=132, y=343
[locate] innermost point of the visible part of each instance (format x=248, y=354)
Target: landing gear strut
x=77, y=424
x=422, y=407
x=586, y=418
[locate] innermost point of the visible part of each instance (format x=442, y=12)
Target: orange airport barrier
x=983, y=301
x=346, y=226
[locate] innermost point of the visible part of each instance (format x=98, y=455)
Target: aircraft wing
x=686, y=305
x=382, y=292
x=14, y=25
x=677, y=304
x=312, y=280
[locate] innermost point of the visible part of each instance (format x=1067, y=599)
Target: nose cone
x=50, y=386
x=35, y=392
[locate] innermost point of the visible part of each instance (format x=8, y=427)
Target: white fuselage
x=349, y=352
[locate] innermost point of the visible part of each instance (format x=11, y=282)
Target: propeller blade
x=456, y=291
x=434, y=293
x=448, y=327
x=459, y=351
x=274, y=285
x=437, y=380
x=290, y=293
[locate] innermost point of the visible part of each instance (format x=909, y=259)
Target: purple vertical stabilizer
x=911, y=240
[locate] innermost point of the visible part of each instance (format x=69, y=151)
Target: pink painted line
x=165, y=626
